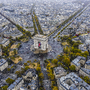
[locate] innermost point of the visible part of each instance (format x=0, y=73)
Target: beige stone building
x=0, y=52
x=16, y=85
x=72, y=82
x=3, y=64
x=59, y=72
x=78, y=62
x=85, y=71
x=31, y=78
x=4, y=42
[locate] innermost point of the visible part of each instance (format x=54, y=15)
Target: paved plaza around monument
x=27, y=54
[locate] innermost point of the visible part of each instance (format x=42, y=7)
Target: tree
x=33, y=65
x=52, y=83
x=66, y=50
x=25, y=64
x=35, y=60
x=4, y=87
x=66, y=61
x=54, y=61
x=71, y=56
x=78, y=54
x=12, y=58
x=59, y=63
x=86, y=79
x=41, y=75
x=15, y=52
x=8, y=69
x=28, y=33
x=48, y=65
x=75, y=45
x=41, y=88
x=85, y=54
x=69, y=40
x=55, y=88
x=72, y=67
x=26, y=68
x=9, y=81
x=20, y=60
x=28, y=61
x=18, y=73
x=51, y=76
x=60, y=58
x=46, y=61
x=38, y=69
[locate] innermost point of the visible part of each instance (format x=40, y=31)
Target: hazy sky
x=13, y=1
x=25, y=1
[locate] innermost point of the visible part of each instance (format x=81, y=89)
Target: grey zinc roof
x=30, y=70
x=0, y=50
x=2, y=61
x=15, y=83
x=87, y=71
x=11, y=87
x=88, y=62
x=33, y=85
x=59, y=70
x=76, y=60
x=2, y=41
x=77, y=82
x=4, y=29
x=76, y=39
x=82, y=47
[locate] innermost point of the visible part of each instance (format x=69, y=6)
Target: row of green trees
x=41, y=76
x=69, y=20
x=71, y=17
x=27, y=33
x=9, y=81
x=38, y=24
x=62, y=30
x=66, y=21
x=70, y=52
x=23, y=70
x=4, y=87
x=72, y=49
x=35, y=29
x=50, y=66
x=63, y=61
x=6, y=50
x=86, y=79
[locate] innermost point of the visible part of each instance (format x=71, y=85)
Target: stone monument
x=40, y=44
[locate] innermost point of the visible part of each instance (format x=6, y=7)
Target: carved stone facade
x=40, y=42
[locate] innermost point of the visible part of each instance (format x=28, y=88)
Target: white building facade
x=16, y=85
x=3, y=64
x=4, y=42
x=40, y=42
x=0, y=52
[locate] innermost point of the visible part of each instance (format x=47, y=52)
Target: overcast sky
x=23, y=1
x=13, y=1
